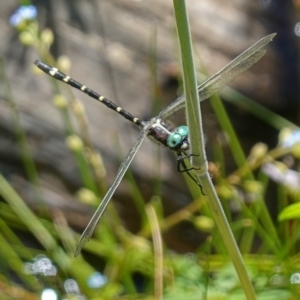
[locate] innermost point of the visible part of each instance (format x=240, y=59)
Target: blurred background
x=127, y=51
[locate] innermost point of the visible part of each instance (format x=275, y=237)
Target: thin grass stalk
x=32, y=222
x=158, y=252
x=14, y=261
x=240, y=160
x=197, y=146
x=256, y=109
x=27, y=159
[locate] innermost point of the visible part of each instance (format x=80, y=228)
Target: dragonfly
x=158, y=129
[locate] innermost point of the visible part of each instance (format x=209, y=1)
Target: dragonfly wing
x=86, y=235
x=218, y=81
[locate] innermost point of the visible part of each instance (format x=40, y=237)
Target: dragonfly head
x=178, y=139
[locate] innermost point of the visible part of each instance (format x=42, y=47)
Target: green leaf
x=290, y=212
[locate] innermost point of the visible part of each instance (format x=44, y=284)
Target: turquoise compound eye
x=182, y=130
x=173, y=140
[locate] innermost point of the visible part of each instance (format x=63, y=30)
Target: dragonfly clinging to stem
x=157, y=129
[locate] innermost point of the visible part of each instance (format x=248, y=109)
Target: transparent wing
x=218, y=81
x=86, y=235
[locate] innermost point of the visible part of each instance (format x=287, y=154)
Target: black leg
x=180, y=160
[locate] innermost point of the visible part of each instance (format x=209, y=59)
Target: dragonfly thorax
x=164, y=133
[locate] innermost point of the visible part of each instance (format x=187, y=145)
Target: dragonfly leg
x=180, y=160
